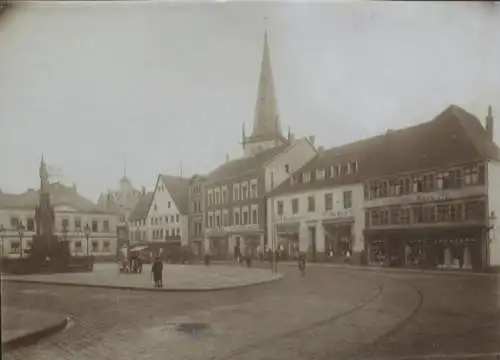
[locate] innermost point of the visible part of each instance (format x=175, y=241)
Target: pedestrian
x=157, y=272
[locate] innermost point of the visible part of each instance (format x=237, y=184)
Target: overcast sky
x=159, y=84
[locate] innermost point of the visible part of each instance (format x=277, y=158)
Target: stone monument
x=48, y=253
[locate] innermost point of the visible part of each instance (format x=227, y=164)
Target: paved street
x=329, y=314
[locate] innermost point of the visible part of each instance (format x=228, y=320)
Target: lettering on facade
x=338, y=214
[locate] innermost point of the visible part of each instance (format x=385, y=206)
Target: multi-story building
x=425, y=196
x=432, y=200
x=72, y=213
x=196, y=221
x=235, y=192
x=166, y=223
x=322, y=202
x=139, y=228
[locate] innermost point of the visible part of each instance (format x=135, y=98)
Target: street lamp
x=86, y=231
x=20, y=231
x=2, y=232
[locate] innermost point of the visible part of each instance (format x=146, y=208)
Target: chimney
x=489, y=123
x=143, y=190
x=227, y=158
x=311, y=139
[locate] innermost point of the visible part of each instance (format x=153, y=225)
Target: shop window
x=311, y=204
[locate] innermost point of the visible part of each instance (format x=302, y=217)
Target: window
x=404, y=186
x=429, y=213
x=244, y=191
x=225, y=219
x=254, y=192
x=310, y=204
x=347, y=199
x=456, y=212
x=475, y=210
x=172, y=218
x=236, y=217
x=375, y=218
x=95, y=227
x=105, y=246
x=105, y=225
x=78, y=224
x=306, y=177
x=354, y=167
x=64, y=223
x=328, y=201
x=15, y=247
x=78, y=245
x=217, y=219
x=169, y=204
x=255, y=219
x=155, y=207
x=417, y=214
x=443, y=212
x=395, y=216
x=405, y=216
x=280, y=207
x=95, y=246
x=30, y=224
x=236, y=192
x=210, y=220
x=245, y=217
x=177, y=218
x=320, y=174
x=178, y=231
x=384, y=217
x=14, y=222
x=295, y=206
x=287, y=168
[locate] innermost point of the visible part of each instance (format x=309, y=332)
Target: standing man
x=157, y=272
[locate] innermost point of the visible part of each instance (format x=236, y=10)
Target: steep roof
x=141, y=210
x=244, y=165
x=178, y=187
x=59, y=195
x=266, y=123
x=452, y=137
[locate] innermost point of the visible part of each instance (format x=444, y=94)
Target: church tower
x=266, y=131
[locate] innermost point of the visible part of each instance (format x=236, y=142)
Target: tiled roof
x=244, y=165
x=59, y=195
x=141, y=210
x=178, y=187
x=454, y=136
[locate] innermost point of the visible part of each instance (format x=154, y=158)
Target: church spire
x=266, y=125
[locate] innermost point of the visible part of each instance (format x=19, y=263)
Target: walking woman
x=157, y=273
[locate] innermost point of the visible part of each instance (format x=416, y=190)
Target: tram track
x=325, y=322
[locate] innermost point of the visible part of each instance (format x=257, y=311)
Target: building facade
x=139, y=228
x=72, y=213
x=196, y=219
x=236, y=191
x=441, y=212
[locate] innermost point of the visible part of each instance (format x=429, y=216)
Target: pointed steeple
x=266, y=124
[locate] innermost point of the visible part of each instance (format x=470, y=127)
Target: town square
x=238, y=180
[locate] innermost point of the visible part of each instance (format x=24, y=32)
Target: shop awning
x=138, y=248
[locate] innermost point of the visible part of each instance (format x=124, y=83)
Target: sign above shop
x=443, y=195
x=339, y=214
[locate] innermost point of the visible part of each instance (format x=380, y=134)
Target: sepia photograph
x=249, y=180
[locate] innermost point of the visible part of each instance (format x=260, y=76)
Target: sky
x=164, y=83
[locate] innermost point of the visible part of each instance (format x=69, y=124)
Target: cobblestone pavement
x=328, y=314
x=175, y=277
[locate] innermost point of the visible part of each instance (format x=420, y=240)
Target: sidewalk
x=185, y=278
x=22, y=327
x=347, y=266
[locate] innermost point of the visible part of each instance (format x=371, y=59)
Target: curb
x=385, y=269
x=136, y=288
x=35, y=336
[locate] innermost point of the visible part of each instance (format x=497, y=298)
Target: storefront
x=288, y=240
x=457, y=247
x=338, y=239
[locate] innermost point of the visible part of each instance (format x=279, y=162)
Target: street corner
x=23, y=327
x=178, y=278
